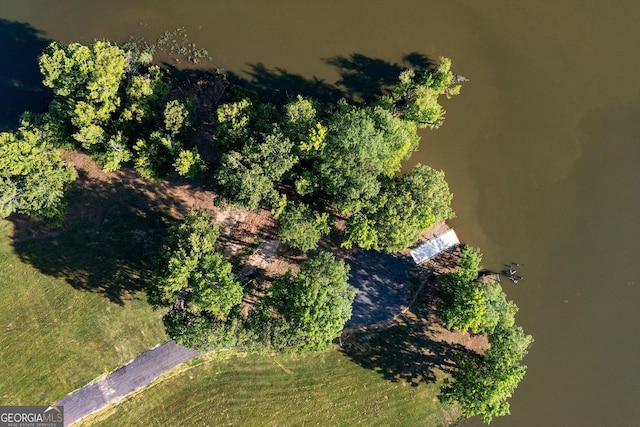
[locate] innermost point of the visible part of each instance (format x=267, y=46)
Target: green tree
x=301, y=228
x=307, y=311
x=235, y=123
x=89, y=78
x=191, y=270
x=464, y=304
x=243, y=120
x=250, y=176
x=142, y=94
x=33, y=177
x=189, y=163
x=362, y=146
x=111, y=100
x=405, y=208
x=469, y=304
x=499, y=311
x=482, y=384
x=299, y=116
x=416, y=97
x=90, y=75
x=509, y=345
x=482, y=387
x=203, y=331
x=300, y=123
x=176, y=117
x=155, y=156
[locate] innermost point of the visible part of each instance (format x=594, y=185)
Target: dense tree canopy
x=300, y=228
x=474, y=305
x=363, y=145
x=309, y=310
x=344, y=157
x=190, y=269
x=463, y=306
x=111, y=102
x=88, y=76
x=406, y=206
x=249, y=176
x=482, y=383
x=33, y=177
x=308, y=162
x=416, y=97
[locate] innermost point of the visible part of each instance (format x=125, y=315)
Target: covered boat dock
x=434, y=246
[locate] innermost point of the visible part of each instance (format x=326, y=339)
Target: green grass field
x=326, y=389
x=73, y=307
x=55, y=337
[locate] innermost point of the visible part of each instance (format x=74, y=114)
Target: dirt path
x=118, y=384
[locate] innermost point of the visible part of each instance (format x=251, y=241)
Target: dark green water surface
x=542, y=148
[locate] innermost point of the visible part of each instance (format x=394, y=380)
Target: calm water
x=541, y=150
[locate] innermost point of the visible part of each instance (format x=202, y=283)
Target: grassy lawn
x=315, y=389
x=55, y=337
x=72, y=307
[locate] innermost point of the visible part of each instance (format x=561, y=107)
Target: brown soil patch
x=430, y=295
x=115, y=223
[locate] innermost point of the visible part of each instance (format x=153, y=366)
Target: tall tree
x=111, y=103
x=405, y=208
x=363, y=146
x=301, y=228
x=249, y=176
x=416, y=97
x=191, y=270
x=464, y=305
x=309, y=310
x=469, y=304
x=481, y=387
x=89, y=79
x=33, y=177
x=481, y=384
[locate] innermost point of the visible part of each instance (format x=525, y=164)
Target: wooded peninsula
x=322, y=178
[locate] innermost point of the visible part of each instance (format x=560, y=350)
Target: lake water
x=541, y=149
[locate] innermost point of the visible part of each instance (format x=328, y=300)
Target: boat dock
x=434, y=246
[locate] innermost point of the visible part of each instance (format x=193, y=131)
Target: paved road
x=137, y=373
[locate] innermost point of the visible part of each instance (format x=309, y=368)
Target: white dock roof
x=433, y=247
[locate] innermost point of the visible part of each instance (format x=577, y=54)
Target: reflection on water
x=541, y=148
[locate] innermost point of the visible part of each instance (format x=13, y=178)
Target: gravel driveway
x=382, y=281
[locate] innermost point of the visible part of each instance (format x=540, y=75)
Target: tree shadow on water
x=363, y=79
x=21, y=87
x=279, y=86
x=110, y=235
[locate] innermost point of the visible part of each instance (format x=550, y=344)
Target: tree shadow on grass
x=408, y=350
x=412, y=347
x=21, y=87
x=362, y=79
x=109, y=238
